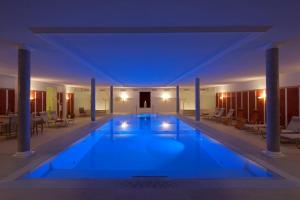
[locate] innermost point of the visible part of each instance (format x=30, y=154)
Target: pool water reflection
x=147, y=145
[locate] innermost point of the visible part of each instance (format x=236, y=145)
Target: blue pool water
x=147, y=145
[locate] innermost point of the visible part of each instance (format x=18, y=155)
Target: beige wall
x=82, y=97
x=102, y=99
x=131, y=105
x=285, y=80
x=7, y=82
x=187, y=100
x=207, y=99
x=12, y=83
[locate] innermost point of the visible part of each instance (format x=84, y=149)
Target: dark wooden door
x=145, y=99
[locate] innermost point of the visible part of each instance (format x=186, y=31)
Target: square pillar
x=93, y=99
x=177, y=100
x=111, y=100
x=197, y=99
x=23, y=140
x=272, y=101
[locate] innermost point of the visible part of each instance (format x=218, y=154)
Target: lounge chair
x=227, y=119
x=253, y=124
x=293, y=126
x=54, y=119
x=292, y=137
x=219, y=115
x=292, y=131
x=211, y=114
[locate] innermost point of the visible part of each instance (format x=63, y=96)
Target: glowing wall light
x=67, y=97
x=32, y=96
x=165, y=96
x=222, y=96
x=124, y=96
x=263, y=95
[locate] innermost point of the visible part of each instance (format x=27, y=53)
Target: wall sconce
x=165, y=96
x=32, y=96
x=67, y=97
x=124, y=96
x=222, y=97
x=263, y=95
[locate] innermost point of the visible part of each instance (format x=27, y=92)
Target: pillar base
x=272, y=154
x=24, y=154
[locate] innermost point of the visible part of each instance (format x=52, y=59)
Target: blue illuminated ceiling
x=144, y=59
x=67, y=47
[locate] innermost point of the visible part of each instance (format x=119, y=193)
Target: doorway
x=145, y=99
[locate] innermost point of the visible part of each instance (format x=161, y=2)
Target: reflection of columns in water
x=111, y=123
x=145, y=123
x=177, y=129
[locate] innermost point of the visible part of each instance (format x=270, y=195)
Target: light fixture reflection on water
x=165, y=125
x=124, y=125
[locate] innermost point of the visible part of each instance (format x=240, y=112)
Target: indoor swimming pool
x=148, y=145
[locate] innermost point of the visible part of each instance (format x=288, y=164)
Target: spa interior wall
x=249, y=97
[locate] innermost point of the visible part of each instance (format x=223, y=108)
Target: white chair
x=293, y=126
x=226, y=119
x=219, y=114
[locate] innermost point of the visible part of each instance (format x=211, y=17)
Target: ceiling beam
x=163, y=29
